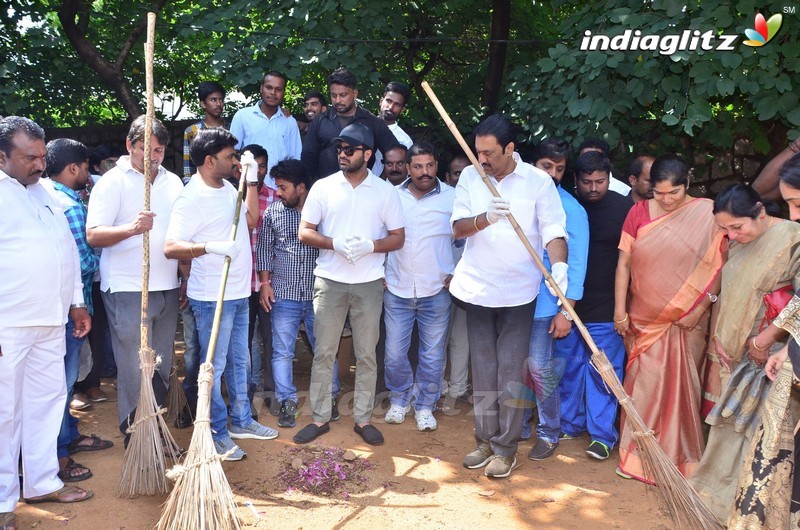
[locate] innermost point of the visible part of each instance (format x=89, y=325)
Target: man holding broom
x=498, y=282
x=199, y=230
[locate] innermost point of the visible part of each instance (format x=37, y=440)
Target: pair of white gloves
x=353, y=248
x=497, y=209
x=231, y=248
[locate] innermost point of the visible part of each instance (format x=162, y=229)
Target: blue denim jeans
x=432, y=314
x=545, y=371
x=191, y=356
x=286, y=317
x=72, y=365
x=231, y=356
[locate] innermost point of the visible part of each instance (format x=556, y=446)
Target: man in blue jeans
x=417, y=276
x=286, y=272
x=68, y=169
x=199, y=229
x=550, y=322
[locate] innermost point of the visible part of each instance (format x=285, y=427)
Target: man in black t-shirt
x=586, y=403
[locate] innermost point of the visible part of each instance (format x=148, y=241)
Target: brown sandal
x=62, y=496
x=8, y=521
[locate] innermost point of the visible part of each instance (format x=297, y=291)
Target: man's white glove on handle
x=252, y=167
x=342, y=247
x=359, y=247
x=223, y=248
x=559, y=273
x=497, y=209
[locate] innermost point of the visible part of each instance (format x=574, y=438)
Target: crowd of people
x=348, y=227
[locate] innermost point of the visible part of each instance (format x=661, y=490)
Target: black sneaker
x=335, y=416
x=288, y=414
x=274, y=405
x=598, y=450
x=542, y=449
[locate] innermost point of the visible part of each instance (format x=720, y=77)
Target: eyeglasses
x=349, y=150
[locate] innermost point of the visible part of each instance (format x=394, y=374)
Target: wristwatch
x=564, y=313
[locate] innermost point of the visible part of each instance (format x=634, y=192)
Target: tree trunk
x=501, y=23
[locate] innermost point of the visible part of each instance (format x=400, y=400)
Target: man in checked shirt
x=286, y=272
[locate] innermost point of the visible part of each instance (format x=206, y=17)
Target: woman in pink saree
x=667, y=278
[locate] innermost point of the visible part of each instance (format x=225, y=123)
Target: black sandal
x=74, y=472
x=97, y=444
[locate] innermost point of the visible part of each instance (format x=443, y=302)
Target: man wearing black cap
x=354, y=218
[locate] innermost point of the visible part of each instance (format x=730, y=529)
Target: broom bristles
x=202, y=497
x=143, y=469
x=176, y=398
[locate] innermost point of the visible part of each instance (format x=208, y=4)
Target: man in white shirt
x=417, y=276
x=199, y=230
x=354, y=218
x=267, y=125
x=498, y=282
x=115, y=222
x=41, y=290
x=393, y=104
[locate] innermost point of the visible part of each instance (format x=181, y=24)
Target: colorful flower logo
x=765, y=30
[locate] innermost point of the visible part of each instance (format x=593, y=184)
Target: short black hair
x=739, y=200
x=209, y=142
x=99, y=153
x=342, y=76
x=256, y=149
x=498, y=126
x=395, y=147
x=62, y=152
x=670, y=167
x=637, y=164
x=595, y=143
x=420, y=148
x=311, y=94
x=554, y=148
x=590, y=162
x=10, y=126
x=399, y=88
x=789, y=173
x=275, y=73
x=290, y=170
x=206, y=88
x=136, y=132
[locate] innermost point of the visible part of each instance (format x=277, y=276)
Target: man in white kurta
x=41, y=289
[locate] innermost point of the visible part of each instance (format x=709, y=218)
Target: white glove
x=559, y=273
x=223, y=248
x=341, y=246
x=359, y=247
x=250, y=163
x=497, y=209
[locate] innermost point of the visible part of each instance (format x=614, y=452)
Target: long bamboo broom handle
x=226, y=267
x=453, y=129
x=149, y=48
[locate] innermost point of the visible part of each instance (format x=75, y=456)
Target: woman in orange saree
x=667, y=278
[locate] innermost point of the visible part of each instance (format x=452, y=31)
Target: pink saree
x=674, y=260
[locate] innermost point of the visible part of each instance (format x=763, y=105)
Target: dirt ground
x=416, y=481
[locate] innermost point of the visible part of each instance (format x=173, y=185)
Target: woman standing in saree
x=763, y=261
x=670, y=257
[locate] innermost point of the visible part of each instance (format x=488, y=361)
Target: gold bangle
x=755, y=344
x=191, y=250
x=475, y=222
x=794, y=146
x=623, y=320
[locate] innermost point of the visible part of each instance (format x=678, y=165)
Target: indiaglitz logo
x=764, y=30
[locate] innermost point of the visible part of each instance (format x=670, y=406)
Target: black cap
x=356, y=135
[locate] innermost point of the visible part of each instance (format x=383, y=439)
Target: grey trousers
x=332, y=301
x=124, y=321
x=499, y=339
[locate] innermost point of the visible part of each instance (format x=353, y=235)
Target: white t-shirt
x=402, y=138
x=116, y=200
x=496, y=269
x=202, y=214
x=370, y=210
x=618, y=186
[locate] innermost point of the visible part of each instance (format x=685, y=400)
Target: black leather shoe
x=310, y=432
x=369, y=434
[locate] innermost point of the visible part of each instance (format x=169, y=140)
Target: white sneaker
x=396, y=414
x=425, y=420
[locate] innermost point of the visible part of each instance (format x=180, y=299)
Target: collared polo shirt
x=370, y=210
x=419, y=268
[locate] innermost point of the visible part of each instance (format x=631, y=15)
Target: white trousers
x=34, y=393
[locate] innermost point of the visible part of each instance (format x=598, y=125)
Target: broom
x=143, y=467
x=176, y=401
x=202, y=497
x=684, y=504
